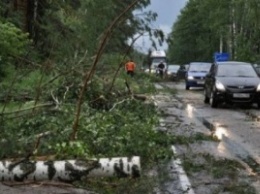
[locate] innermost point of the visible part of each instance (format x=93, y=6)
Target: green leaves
x=67, y=35
x=77, y=149
x=13, y=43
x=12, y=40
x=208, y=26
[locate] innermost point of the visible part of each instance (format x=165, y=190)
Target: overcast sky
x=168, y=11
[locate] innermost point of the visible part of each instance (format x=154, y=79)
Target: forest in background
x=208, y=26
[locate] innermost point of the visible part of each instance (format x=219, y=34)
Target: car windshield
x=199, y=67
x=236, y=70
x=158, y=60
x=173, y=67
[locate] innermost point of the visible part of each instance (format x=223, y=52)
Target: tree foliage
x=38, y=98
x=208, y=26
x=12, y=40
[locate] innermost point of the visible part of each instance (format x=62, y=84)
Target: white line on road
x=184, y=180
x=177, y=164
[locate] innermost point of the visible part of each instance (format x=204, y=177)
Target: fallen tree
x=69, y=170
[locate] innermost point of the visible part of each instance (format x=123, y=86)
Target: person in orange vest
x=130, y=68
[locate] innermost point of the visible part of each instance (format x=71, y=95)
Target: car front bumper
x=195, y=83
x=238, y=97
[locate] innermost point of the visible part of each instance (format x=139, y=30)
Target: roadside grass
x=152, y=180
x=144, y=184
x=197, y=137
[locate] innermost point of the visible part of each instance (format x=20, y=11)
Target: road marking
x=184, y=180
x=177, y=164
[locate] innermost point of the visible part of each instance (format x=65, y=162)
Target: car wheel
x=206, y=98
x=213, y=100
x=187, y=87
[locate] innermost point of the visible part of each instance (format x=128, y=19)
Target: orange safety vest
x=130, y=66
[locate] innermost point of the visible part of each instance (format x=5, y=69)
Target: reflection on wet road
x=220, y=132
x=206, y=136
x=226, y=143
x=236, y=129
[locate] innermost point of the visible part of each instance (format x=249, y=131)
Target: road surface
x=237, y=130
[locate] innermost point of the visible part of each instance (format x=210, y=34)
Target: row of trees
x=208, y=26
x=77, y=24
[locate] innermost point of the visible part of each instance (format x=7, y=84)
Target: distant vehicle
x=182, y=71
x=232, y=82
x=196, y=73
x=171, y=71
x=157, y=57
x=150, y=70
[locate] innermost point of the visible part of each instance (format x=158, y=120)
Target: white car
x=150, y=70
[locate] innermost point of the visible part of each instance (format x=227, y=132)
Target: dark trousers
x=161, y=73
x=131, y=73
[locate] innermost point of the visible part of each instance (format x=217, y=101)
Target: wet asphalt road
x=237, y=128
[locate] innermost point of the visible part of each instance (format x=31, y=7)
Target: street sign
x=221, y=57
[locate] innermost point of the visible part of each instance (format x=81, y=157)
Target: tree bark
x=69, y=170
x=22, y=6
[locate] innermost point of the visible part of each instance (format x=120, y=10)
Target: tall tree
x=208, y=26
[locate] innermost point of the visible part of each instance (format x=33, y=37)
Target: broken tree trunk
x=69, y=170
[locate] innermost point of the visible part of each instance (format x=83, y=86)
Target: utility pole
x=221, y=44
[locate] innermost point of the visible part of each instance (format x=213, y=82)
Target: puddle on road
x=220, y=132
x=207, y=124
x=217, y=130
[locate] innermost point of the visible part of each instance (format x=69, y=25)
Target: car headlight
x=220, y=86
x=190, y=77
x=258, y=88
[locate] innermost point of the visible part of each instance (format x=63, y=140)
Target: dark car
x=196, y=73
x=171, y=71
x=182, y=71
x=232, y=82
x=257, y=68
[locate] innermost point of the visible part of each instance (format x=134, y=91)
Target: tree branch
x=88, y=75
